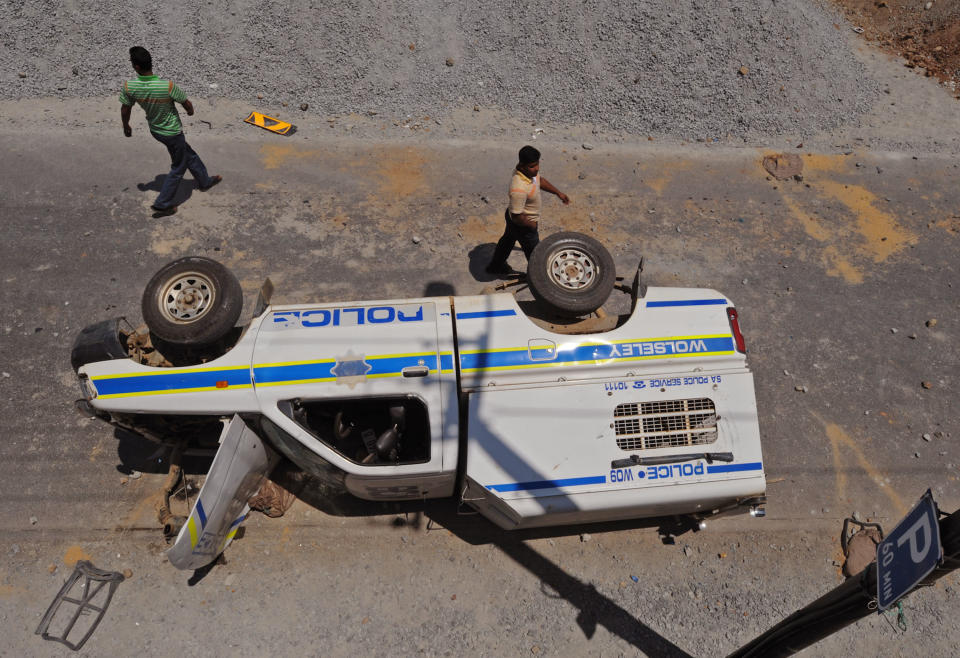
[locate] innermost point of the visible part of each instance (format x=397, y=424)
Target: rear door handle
x=415, y=371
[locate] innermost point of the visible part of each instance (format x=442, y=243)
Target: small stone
x=127, y=573
x=260, y=97
x=926, y=384
x=687, y=551
x=6, y=374
x=450, y=61
x=22, y=74
x=932, y=322
x=453, y=597
x=283, y=104
x=585, y=537
x=857, y=517
x=124, y=481
x=476, y=108
x=75, y=70
x=135, y=475
x=34, y=520
x=913, y=336
x=800, y=389
x=744, y=282
x=416, y=239
x=304, y=107
x=786, y=373
x=582, y=176
x=51, y=567
x=678, y=229
x=926, y=437
x=587, y=146
x=866, y=413
x=916, y=455
x=929, y=5
x=744, y=70
x=893, y=330
x=535, y=649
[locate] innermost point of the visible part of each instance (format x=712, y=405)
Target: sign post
x=911, y=555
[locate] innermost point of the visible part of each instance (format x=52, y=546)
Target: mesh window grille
x=665, y=424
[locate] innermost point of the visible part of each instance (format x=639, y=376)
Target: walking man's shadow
x=479, y=259
x=184, y=191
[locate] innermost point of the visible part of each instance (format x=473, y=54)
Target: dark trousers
x=512, y=234
x=182, y=157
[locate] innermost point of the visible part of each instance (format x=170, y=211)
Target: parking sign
x=909, y=553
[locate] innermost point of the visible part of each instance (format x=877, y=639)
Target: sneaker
x=163, y=212
x=213, y=181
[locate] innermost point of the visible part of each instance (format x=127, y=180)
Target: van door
x=369, y=387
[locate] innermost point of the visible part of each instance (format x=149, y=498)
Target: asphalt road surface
x=847, y=287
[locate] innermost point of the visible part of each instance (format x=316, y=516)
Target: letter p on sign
x=909, y=553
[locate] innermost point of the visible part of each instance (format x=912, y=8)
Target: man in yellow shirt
x=523, y=214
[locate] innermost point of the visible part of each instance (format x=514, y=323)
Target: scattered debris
x=271, y=124
x=926, y=384
x=94, y=581
x=783, y=166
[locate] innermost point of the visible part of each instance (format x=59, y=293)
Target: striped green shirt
x=156, y=97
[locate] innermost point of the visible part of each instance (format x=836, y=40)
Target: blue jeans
x=182, y=157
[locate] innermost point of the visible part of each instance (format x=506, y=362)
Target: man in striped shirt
x=157, y=98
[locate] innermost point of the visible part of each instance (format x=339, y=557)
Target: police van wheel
x=571, y=273
x=192, y=301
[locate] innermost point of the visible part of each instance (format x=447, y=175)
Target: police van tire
x=193, y=301
x=571, y=273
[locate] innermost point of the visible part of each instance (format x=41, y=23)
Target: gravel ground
x=691, y=69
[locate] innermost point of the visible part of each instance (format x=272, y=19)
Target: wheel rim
x=572, y=269
x=186, y=298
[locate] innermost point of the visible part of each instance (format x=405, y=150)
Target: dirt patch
x=926, y=38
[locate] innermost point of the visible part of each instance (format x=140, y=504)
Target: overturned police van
x=529, y=421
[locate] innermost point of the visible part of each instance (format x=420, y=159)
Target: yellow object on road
x=271, y=124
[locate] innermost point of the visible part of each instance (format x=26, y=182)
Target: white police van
x=532, y=423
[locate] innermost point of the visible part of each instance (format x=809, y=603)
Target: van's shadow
x=594, y=608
